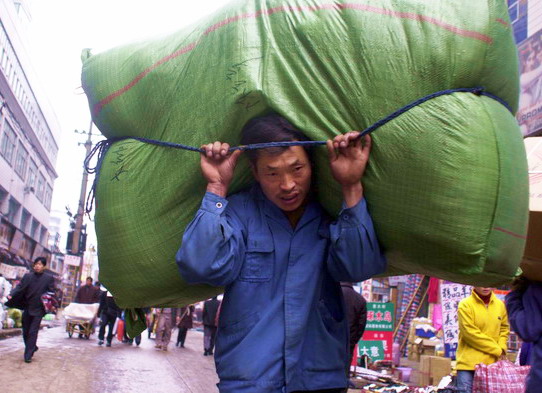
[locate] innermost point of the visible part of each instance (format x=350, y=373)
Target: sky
x=59, y=30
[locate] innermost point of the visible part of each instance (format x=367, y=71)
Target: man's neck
x=295, y=216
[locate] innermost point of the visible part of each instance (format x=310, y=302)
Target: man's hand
x=348, y=158
x=217, y=165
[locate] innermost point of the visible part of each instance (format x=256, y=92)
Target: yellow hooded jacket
x=483, y=331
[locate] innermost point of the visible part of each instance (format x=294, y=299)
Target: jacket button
x=219, y=205
x=346, y=216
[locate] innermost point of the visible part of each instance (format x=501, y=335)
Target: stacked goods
x=446, y=184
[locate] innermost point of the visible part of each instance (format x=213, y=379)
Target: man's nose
x=287, y=183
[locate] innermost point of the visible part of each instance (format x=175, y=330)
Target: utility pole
x=77, y=232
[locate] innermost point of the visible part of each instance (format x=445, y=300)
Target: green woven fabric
x=447, y=181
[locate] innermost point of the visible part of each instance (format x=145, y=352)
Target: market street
x=65, y=365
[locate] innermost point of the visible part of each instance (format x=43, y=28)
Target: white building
x=29, y=134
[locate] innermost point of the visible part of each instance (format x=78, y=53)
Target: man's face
x=285, y=178
x=89, y=282
x=39, y=267
x=484, y=291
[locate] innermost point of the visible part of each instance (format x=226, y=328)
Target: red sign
x=386, y=337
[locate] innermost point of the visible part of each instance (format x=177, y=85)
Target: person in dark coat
x=356, y=314
x=108, y=312
x=210, y=312
x=88, y=293
x=524, y=306
x=27, y=296
x=184, y=324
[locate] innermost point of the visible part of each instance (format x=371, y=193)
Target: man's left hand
x=348, y=158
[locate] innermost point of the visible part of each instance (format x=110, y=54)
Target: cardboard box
x=532, y=257
x=413, y=353
x=428, y=347
x=433, y=369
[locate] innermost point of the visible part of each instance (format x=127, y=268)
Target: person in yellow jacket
x=483, y=334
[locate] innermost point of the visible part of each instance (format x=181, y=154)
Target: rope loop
x=101, y=148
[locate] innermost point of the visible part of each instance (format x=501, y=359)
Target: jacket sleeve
x=525, y=322
x=363, y=315
x=472, y=335
x=21, y=288
x=354, y=253
x=213, y=246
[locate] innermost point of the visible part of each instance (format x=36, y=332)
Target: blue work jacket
x=282, y=323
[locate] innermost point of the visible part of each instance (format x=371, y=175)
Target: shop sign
x=72, y=260
x=367, y=289
x=385, y=338
x=373, y=349
x=8, y=271
x=380, y=316
x=451, y=294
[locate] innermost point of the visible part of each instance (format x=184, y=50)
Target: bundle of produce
x=447, y=180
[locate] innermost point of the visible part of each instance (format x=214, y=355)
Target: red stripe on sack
x=421, y=18
x=503, y=22
x=360, y=7
x=510, y=233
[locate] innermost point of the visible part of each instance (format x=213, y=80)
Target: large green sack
x=447, y=181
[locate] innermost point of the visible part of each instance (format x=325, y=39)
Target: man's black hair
x=270, y=128
x=40, y=259
x=90, y=278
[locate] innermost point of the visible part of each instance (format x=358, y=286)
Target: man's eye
x=298, y=168
x=271, y=174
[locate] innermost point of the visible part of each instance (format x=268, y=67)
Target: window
x=43, y=236
x=21, y=161
x=48, y=195
x=34, y=228
x=40, y=188
x=25, y=219
x=7, y=145
x=13, y=210
x=32, y=171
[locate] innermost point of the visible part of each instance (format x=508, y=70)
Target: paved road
x=64, y=365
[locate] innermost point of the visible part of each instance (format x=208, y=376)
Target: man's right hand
x=217, y=165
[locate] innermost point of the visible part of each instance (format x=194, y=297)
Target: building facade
x=29, y=134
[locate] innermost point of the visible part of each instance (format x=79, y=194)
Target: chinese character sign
x=367, y=289
x=451, y=294
x=373, y=349
x=380, y=316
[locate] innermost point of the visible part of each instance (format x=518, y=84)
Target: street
x=65, y=365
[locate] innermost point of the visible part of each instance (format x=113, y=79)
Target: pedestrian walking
x=108, y=312
x=280, y=257
x=185, y=323
x=483, y=334
x=27, y=296
x=87, y=294
x=166, y=321
x=210, y=313
x=524, y=304
x=356, y=314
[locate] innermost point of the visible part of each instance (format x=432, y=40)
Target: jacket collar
x=478, y=299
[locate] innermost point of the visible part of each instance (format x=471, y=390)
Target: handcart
x=80, y=319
